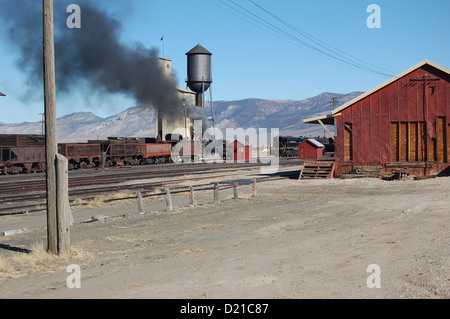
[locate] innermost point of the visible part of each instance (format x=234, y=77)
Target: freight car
x=26, y=159
x=81, y=155
x=21, y=153
x=150, y=153
x=25, y=153
x=133, y=151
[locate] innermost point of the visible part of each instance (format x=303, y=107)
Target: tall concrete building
x=181, y=125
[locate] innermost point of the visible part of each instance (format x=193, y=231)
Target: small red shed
x=310, y=149
x=239, y=151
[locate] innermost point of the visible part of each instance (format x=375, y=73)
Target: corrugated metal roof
x=315, y=142
x=198, y=49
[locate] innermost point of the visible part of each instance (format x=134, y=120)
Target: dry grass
x=37, y=260
x=102, y=200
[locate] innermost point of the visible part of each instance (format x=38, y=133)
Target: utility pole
x=334, y=101
x=57, y=223
x=42, y=122
x=424, y=81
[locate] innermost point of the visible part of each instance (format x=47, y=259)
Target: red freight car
x=22, y=153
x=25, y=159
x=155, y=153
x=133, y=151
x=22, y=140
x=81, y=155
x=119, y=151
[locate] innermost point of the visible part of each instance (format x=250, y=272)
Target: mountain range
x=286, y=115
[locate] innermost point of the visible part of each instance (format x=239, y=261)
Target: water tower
x=199, y=72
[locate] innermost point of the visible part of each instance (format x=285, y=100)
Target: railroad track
x=33, y=192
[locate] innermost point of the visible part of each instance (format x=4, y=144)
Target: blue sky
x=250, y=60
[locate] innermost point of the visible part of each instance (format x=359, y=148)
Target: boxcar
x=155, y=153
x=24, y=159
x=81, y=155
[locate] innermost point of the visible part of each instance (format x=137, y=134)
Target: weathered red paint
x=307, y=150
x=239, y=151
x=248, y=153
x=400, y=101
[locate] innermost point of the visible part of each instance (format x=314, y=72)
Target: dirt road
x=295, y=239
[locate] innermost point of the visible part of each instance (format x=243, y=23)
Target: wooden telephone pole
x=57, y=223
x=424, y=80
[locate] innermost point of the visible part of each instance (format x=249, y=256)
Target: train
x=25, y=153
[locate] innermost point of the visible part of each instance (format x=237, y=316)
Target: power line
x=315, y=40
x=327, y=51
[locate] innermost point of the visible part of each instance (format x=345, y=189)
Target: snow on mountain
x=286, y=115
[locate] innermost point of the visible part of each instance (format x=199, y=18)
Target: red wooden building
x=310, y=149
x=241, y=152
x=403, y=124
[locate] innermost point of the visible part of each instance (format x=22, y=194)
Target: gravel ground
x=295, y=239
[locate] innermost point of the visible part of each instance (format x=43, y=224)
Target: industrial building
x=401, y=126
x=199, y=79
x=165, y=125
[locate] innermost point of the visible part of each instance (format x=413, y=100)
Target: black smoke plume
x=92, y=54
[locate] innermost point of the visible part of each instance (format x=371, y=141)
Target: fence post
x=235, y=197
x=168, y=199
x=254, y=186
x=62, y=205
x=103, y=160
x=191, y=196
x=216, y=193
x=140, y=203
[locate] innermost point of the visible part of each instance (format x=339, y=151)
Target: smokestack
x=158, y=126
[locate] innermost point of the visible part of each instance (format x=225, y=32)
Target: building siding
x=401, y=101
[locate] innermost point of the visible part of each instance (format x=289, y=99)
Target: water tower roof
x=198, y=49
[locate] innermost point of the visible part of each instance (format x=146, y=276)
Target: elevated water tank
x=199, y=69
